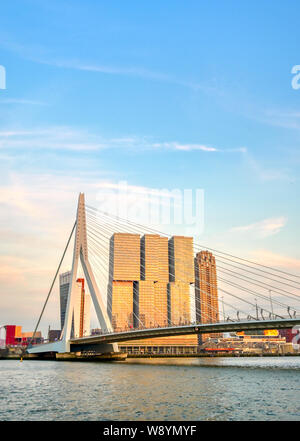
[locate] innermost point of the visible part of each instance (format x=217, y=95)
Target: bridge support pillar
x=80, y=255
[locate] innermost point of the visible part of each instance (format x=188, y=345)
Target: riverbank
x=6, y=354
x=124, y=356
x=205, y=355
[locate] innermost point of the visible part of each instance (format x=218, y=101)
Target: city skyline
x=150, y=285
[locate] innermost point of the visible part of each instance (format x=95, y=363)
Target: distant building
x=54, y=334
x=255, y=344
x=206, y=291
x=64, y=283
x=12, y=335
x=290, y=335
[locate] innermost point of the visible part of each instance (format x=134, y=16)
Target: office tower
x=181, y=268
x=181, y=259
x=154, y=258
x=125, y=257
x=161, y=304
x=141, y=292
x=122, y=305
x=145, y=307
x=206, y=290
x=64, y=283
x=125, y=269
x=179, y=308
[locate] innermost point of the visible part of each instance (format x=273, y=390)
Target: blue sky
x=159, y=94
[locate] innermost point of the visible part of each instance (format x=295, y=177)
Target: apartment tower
x=206, y=290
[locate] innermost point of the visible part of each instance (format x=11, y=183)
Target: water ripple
x=164, y=389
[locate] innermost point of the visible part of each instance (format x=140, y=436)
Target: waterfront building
x=179, y=308
x=161, y=304
x=154, y=258
x=181, y=259
x=124, y=272
x=122, y=305
x=144, y=304
x=53, y=334
x=64, y=283
x=206, y=290
x=141, y=292
x=12, y=335
x=125, y=257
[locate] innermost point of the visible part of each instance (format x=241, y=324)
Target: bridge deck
x=117, y=337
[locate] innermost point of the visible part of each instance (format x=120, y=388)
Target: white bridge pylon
x=80, y=252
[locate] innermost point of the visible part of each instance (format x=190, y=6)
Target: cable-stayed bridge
x=254, y=296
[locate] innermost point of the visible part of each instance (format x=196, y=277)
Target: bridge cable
x=110, y=216
x=52, y=284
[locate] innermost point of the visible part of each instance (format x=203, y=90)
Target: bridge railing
x=192, y=323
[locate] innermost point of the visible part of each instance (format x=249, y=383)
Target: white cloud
x=266, y=174
x=271, y=259
x=288, y=119
x=184, y=147
x=264, y=228
x=70, y=139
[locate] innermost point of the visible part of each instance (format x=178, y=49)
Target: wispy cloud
x=41, y=55
x=194, y=147
x=269, y=258
x=68, y=138
x=52, y=138
x=264, y=228
x=289, y=119
x=264, y=173
x=184, y=147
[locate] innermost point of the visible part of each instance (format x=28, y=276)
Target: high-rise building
x=144, y=304
x=125, y=257
x=181, y=259
x=122, y=305
x=161, y=304
x=64, y=283
x=141, y=292
x=154, y=258
x=125, y=270
x=179, y=305
x=206, y=290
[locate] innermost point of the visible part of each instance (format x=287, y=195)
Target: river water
x=164, y=389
